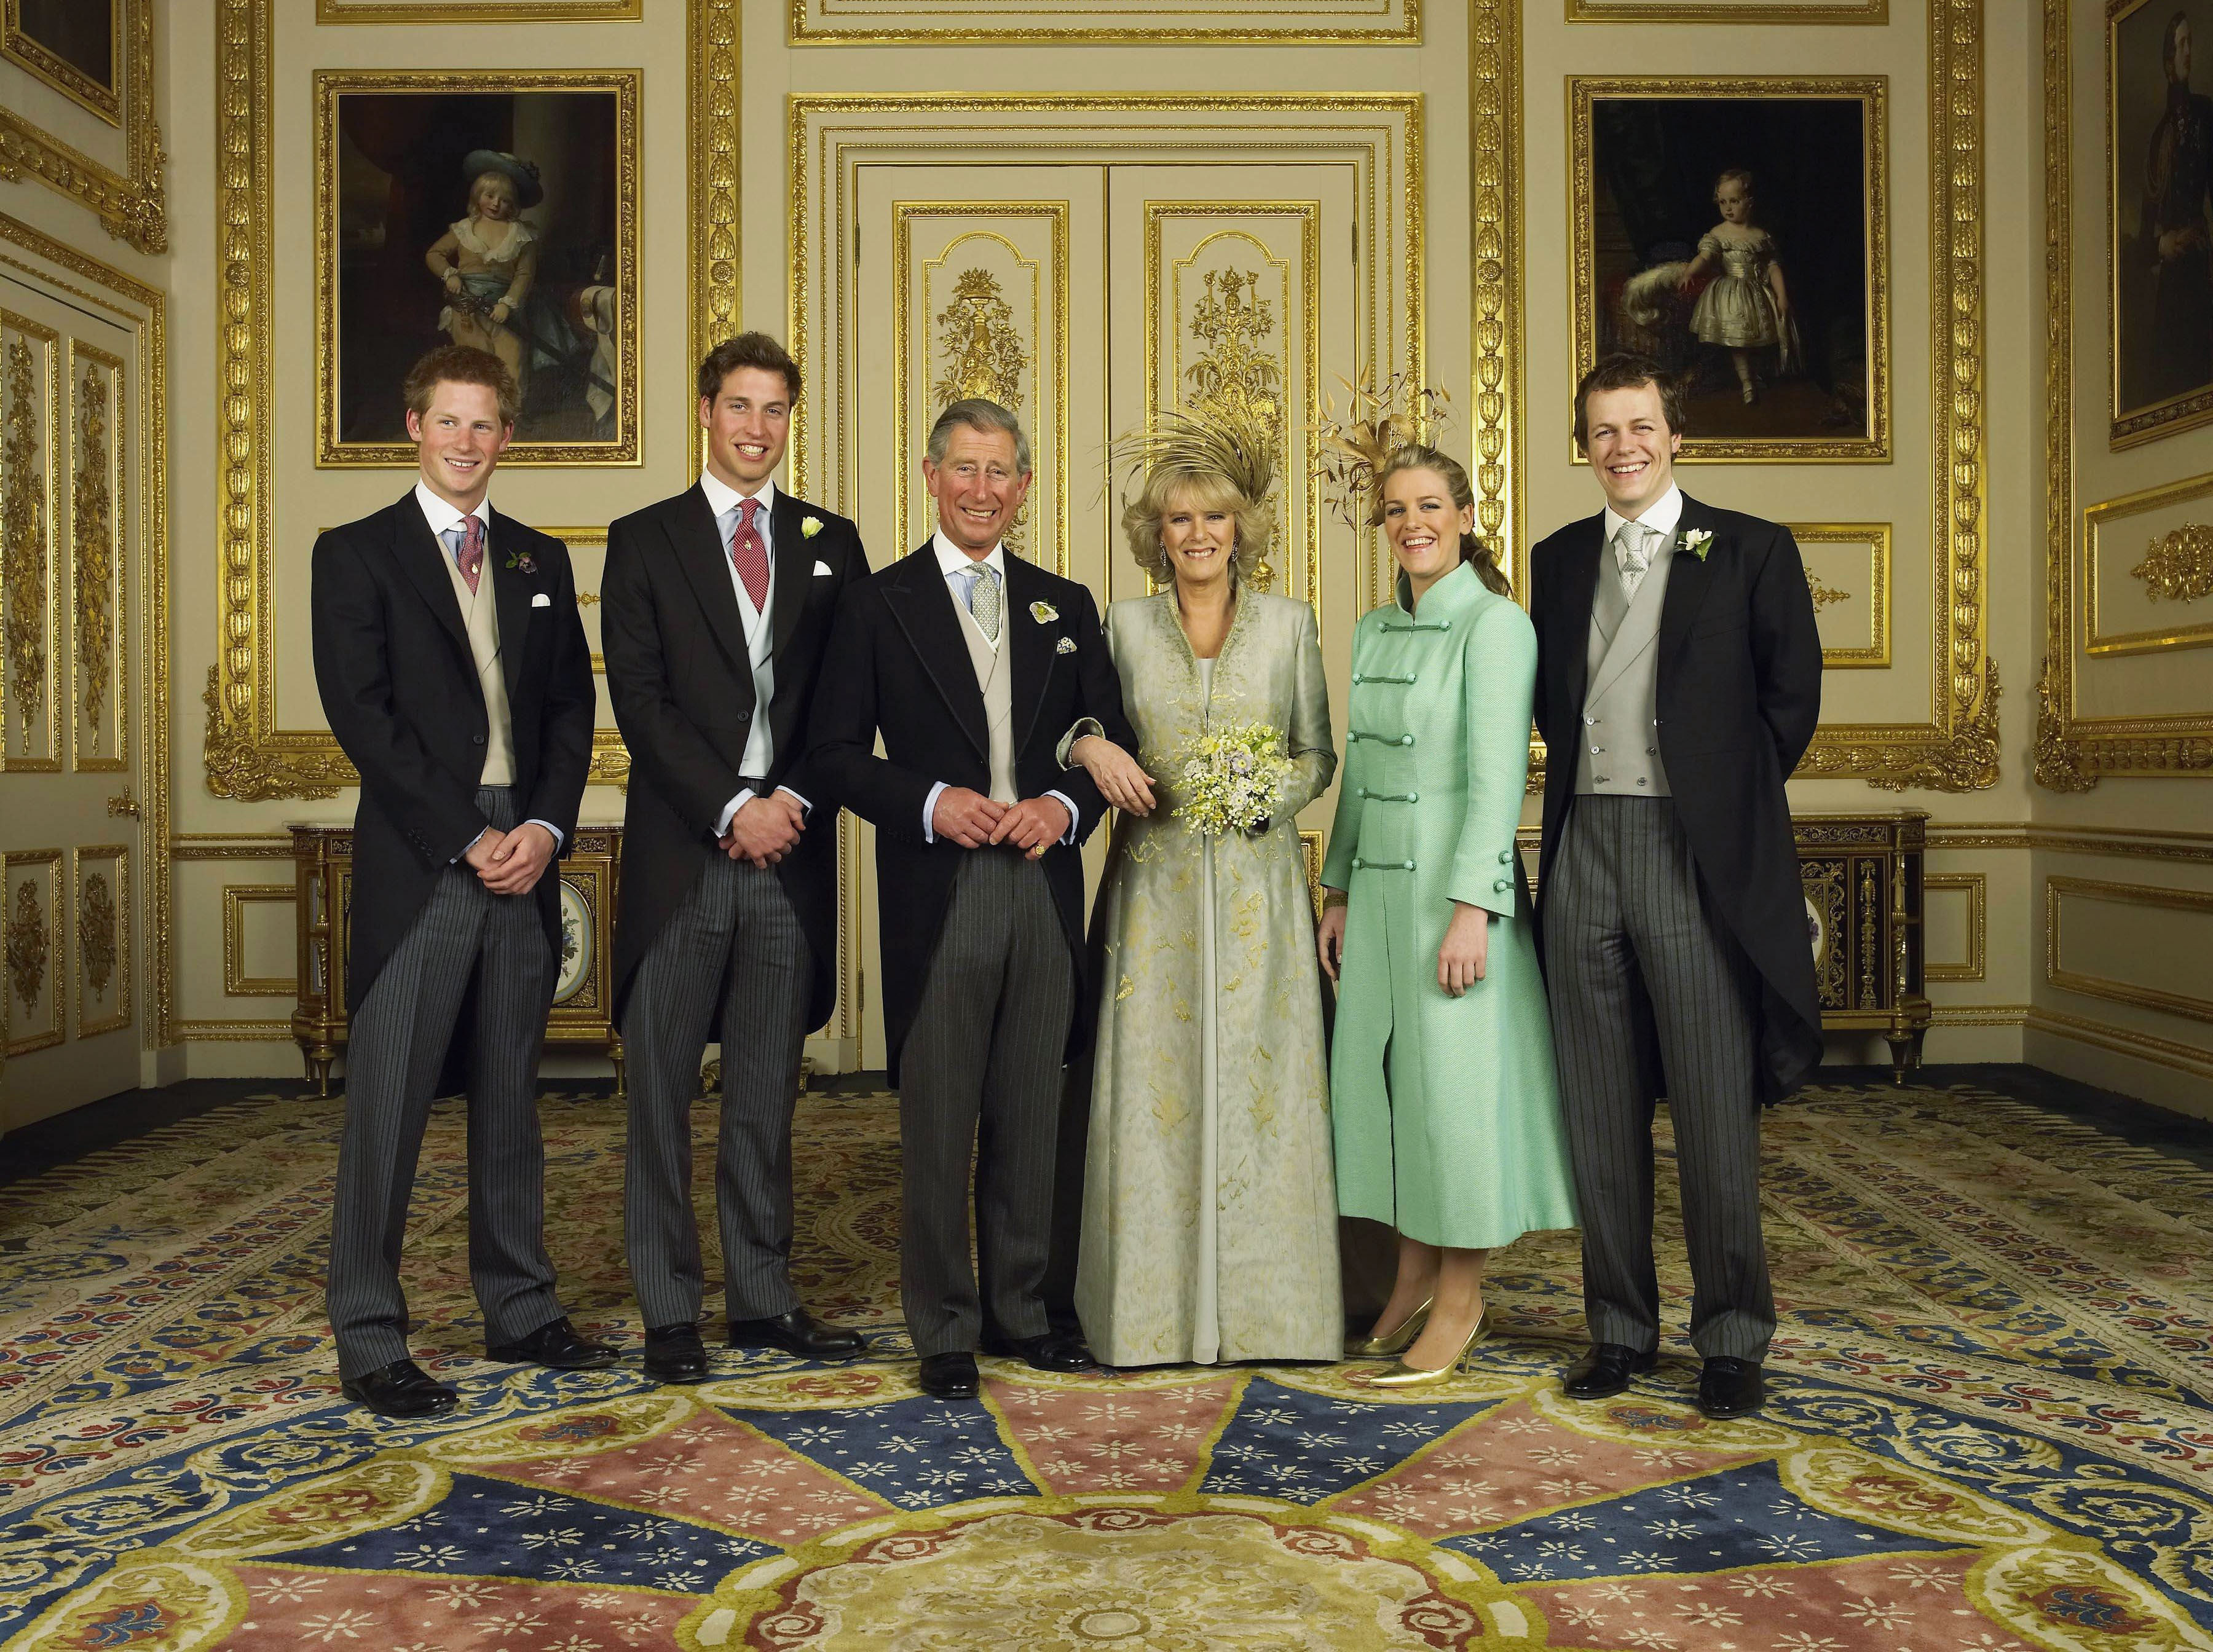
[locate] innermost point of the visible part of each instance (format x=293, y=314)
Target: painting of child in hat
x=496, y=219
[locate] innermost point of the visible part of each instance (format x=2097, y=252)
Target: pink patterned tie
x=470, y=556
x=749, y=556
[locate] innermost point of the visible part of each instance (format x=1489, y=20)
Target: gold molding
x=2072, y=753
x=98, y=633
x=1839, y=12
x=131, y=205
x=236, y=983
x=802, y=29
x=64, y=76
x=2121, y=1040
x=2156, y=999
x=1979, y=1015
x=626, y=87
x=2127, y=842
x=230, y=846
x=1495, y=281
x=1876, y=537
x=713, y=96
x=1977, y=886
x=124, y=941
x=452, y=12
x=32, y=581
x=1872, y=93
x=51, y=966
x=150, y=321
x=234, y=1032
x=2095, y=518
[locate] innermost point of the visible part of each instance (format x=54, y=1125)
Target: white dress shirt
x=443, y=518
x=954, y=563
x=760, y=637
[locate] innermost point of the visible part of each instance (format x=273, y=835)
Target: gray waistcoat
x=1620, y=748
x=990, y=664
x=480, y=615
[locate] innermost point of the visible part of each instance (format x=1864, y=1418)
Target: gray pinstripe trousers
x=394, y=1049
x=1651, y=995
x=981, y=1069
x=736, y=937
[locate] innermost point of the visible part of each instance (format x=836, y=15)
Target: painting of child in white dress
x=1728, y=236
x=491, y=219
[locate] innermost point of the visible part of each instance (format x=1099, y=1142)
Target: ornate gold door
x=71, y=736
x=1086, y=297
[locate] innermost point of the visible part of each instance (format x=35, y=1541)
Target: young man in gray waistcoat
x=1679, y=682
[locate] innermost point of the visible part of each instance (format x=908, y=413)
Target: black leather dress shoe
x=950, y=1376
x=557, y=1345
x=1605, y=1370
x=673, y=1353
x=402, y=1389
x=1730, y=1388
x=796, y=1332
x=1056, y=1350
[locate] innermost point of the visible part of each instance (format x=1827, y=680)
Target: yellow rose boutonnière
x=1044, y=613
x=810, y=527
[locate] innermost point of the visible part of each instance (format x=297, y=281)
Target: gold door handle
x=126, y=804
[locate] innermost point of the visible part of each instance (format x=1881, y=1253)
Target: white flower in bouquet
x=1230, y=776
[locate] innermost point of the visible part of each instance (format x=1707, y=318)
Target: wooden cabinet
x=583, y=996
x=1862, y=882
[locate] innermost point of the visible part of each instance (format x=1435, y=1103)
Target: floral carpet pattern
x=1990, y=1431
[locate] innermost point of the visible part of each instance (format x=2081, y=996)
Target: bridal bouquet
x=1230, y=777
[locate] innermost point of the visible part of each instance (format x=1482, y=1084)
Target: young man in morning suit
x=1679, y=682
x=972, y=663
x=717, y=605
x=454, y=672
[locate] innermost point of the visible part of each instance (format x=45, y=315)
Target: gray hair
x=978, y=413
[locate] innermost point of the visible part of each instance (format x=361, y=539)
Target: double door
x=1086, y=297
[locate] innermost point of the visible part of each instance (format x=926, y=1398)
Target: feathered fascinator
x=1237, y=450
x=1378, y=421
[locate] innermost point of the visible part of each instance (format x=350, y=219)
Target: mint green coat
x=1446, y=1111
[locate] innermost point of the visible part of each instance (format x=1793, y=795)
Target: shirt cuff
x=805, y=807
x=929, y=813
x=1068, y=803
x=1066, y=750
x=560, y=837
x=723, y=824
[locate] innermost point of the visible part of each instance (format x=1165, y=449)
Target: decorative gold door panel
x=71, y=646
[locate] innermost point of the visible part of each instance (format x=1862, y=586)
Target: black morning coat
x=1739, y=693
x=898, y=663
x=399, y=689
x=682, y=684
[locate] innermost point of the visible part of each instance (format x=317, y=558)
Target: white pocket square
x=541, y=601
x=822, y=569
x=1067, y=646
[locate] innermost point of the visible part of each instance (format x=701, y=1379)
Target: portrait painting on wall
x=2160, y=211
x=497, y=211
x=1735, y=231
x=74, y=45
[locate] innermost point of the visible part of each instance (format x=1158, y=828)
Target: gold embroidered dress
x=1210, y=1211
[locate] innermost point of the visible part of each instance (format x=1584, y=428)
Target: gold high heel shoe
x=1402, y=1375
x=1397, y=1340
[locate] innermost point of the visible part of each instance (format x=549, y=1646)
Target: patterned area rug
x=1991, y=1431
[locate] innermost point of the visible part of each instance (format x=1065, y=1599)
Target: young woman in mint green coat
x=1446, y=1108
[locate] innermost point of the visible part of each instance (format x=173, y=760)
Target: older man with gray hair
x=970, y=664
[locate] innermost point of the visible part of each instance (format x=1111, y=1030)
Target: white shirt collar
x=952, y=559
x=442, y=516
x=1662, y=514
x=722, y=498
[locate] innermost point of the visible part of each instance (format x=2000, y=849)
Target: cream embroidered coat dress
x=1446, y=1110
x=1209, y=1220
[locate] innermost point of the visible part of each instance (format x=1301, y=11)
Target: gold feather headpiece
x=1240, y=451
x=1378, y=421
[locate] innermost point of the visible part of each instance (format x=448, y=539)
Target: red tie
x=471, y=555
x=749, y=556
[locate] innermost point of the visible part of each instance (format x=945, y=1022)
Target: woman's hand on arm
x=1329, y=934
x=1118, y=774
x=1466, y=952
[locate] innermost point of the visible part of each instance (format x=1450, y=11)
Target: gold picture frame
x=1826, y=12
x=1716, y=124
x=21, y=46
x=128, y=194
x=480, y=11
x=1105, y=22
x=370, y=323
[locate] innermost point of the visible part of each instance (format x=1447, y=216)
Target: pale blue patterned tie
x=983, y=599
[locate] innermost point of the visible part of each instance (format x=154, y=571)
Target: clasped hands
x=972, y=820
x=511, y=862
x=764, y=830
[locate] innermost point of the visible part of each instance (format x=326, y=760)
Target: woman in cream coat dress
x=1210, y=1217
x=1447, y=1108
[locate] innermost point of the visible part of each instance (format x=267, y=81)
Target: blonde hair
x=1209, y=490
x=1420, y=456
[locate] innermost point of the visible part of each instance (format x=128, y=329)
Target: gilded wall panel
x=1728, y=11
x=31, y=603
x=100, y=720
x=99, y=912
x=2146, y=585
x=1969, y=894
x=453, y=12
x=258, y=928
x=33, y=927
x=1848, y=571
x=2132, y=943
x=1102, y=23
